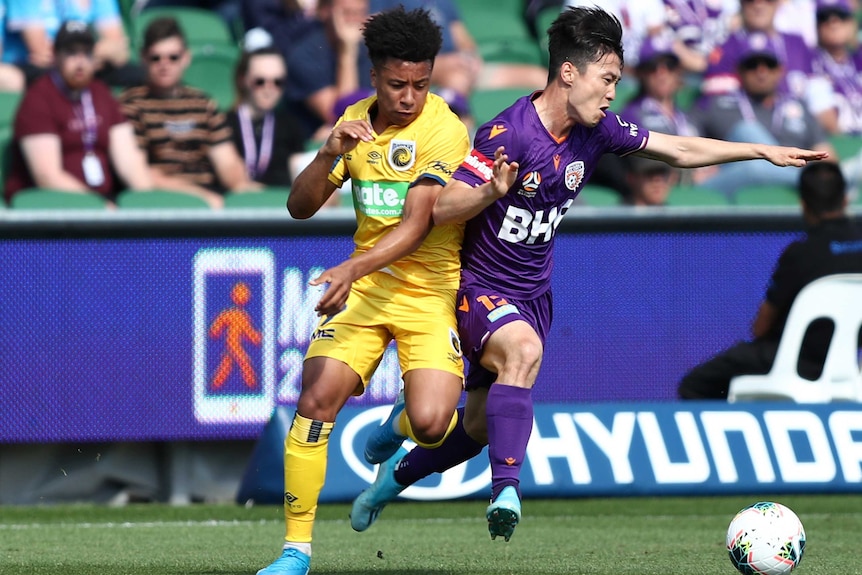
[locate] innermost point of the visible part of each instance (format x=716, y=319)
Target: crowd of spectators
x=93, y=84
x=771, y=71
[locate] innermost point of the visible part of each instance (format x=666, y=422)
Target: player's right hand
x=505, y=173
x=338, y=280
x=346, y=135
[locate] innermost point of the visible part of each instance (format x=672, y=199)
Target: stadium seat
x=45, y=199
x=686, y=97
x=626, y=90
x=485, y=104
x=838, y=298
x=500, y=32
x=493, y=20
x=200, y=26
x=514, y=50
x=9, y=107
x=846, y=145
x=766, y=195
x=160, y=200
x=126, y=9
x=693, y=195
x=544, y=19
x=594, y=195
x=270, y=198
x=213, y=73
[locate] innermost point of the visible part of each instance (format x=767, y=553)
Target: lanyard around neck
x=256, y=162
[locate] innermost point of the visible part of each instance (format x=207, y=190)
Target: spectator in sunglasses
x=837, y=60
x=266, y=137
x=798, y=79
x=659, y=73
x=187, y=139
x=759, y=112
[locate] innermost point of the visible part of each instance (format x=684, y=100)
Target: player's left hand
x=798, y=157
x=334, y=298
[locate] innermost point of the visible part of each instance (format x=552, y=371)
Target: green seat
x=512, y=50
x=200, y=26
x=687, y=96
x=544, y=19
x=45, y=199
x=595, y=195
x=491, y=20
x=627, y=89
x=693, y=195
x=160, y=200
x=485, y=104
x=766, y=195
x=846, y=145
x=213, y=73
x=270, y=198
x=9, y=107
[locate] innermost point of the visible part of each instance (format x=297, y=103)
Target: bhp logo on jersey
x=530, y=184
x=522, y=225
x=480, y=165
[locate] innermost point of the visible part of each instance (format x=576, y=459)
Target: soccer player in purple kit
x=527, y=166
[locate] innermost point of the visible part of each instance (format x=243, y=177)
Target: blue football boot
x=504, y=513
x=368, y=504
x=384, y=442
x=292, y=562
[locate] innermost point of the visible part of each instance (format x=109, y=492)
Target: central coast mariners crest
x=574, y=175
x=402, y=154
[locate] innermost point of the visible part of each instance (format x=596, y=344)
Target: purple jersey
x=701, y=24
x=846, y=80
x=509, y=245
x=792, y=51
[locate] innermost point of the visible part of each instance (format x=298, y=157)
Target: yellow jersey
x=381, y=174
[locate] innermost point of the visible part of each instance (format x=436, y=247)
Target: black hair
x=162, y=29
x=822, y=187
x=411, y=36
x=582, y=35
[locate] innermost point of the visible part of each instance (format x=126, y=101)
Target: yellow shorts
x=381, y=308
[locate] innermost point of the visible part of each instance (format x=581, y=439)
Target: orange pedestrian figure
x=236, y=326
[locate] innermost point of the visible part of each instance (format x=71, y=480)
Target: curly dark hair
x=583, y=35
x=410, y=36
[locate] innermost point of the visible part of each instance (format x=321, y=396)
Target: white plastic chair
x=836, y=297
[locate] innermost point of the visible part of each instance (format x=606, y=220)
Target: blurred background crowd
x=220, y=103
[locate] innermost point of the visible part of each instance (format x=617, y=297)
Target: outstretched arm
x=695, y=152
x=458, y=202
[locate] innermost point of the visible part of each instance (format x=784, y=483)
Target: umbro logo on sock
x=510, y=461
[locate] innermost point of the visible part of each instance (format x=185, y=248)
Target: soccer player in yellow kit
x=398, y=148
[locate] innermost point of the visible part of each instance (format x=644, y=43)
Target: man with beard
x=70, y=134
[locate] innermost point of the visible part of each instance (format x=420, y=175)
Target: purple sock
x=510, y=422
x=422, y=462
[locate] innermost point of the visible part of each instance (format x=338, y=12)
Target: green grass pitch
x=619, y=536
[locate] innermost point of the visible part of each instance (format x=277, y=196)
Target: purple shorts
x=481, y=312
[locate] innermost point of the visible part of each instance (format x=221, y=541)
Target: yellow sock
x=404, y=423
x=304, y=473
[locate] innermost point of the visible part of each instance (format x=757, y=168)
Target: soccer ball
x=766, y=538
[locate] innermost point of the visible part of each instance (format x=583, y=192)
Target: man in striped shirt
x=186, y=138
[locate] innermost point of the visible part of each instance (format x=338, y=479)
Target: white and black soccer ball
x=765, y=538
